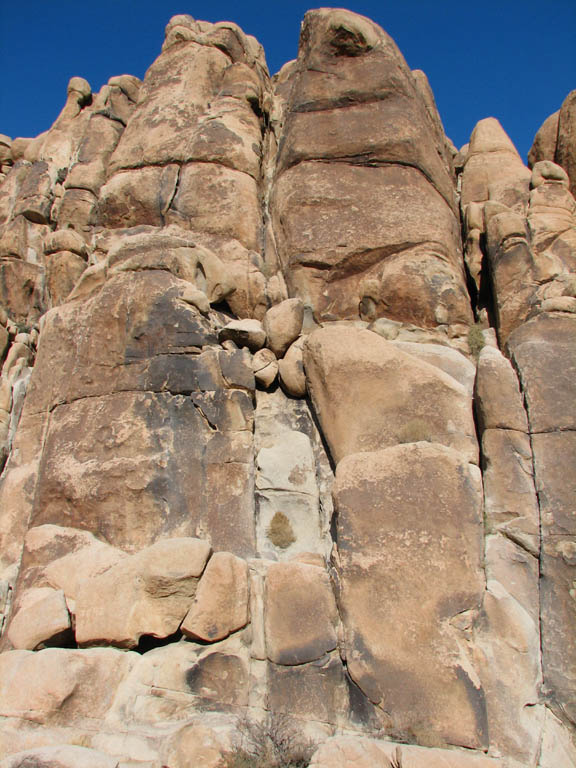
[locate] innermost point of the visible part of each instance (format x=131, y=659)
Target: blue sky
x=504, y=58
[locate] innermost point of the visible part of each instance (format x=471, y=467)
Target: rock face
x=384, y=181
x=409, y=521
x=287, y=419
x=221, y=603
x=556, y=140
x=146, y=594
x=370, y=395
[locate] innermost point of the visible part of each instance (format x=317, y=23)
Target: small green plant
x=272, y=744
x=280, y=531
x=475, y=340
x=414, y=431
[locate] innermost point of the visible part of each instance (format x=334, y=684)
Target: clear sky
x=511, y=59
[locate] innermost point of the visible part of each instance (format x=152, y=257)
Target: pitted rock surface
x=287, y=388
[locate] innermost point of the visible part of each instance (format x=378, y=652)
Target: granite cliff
x=287, y=425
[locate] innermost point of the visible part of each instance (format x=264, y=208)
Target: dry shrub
x=280, y=531
x=475, y=340
x=272, y=744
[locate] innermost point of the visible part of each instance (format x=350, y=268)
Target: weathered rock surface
x=220, y=606
x=68, y=571
x=497, y=394
x=510, y=498
x=291, y=369
x=369, y=395
x=493, y=169
x=546, y=344
x=381, y=223
x=42, y=619
x=199, y=744
x=508, y=647
x=151, y=375
x=287, y=406
x=544, y=146
x=556, y=140
x=445, y=358
x=543, y=345
x=146, y=594
x=61, y=686
x=288, y=493
x=283, y=324
x=409, y=520
x=244, y=333
x=301, y=615
x=205, y=180
x=265, y=367
x=65, y=756
x=343, y=751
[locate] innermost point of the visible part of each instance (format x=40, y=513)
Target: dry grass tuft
x=280, y=531
x=414, y=431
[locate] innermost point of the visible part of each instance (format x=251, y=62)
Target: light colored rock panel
x=507, y=644
x=368, y=395
x=146, y=594
x=291, y=369
x=221, y=603
x=511, y=504
x=69, y=571
x=497, y=395
x=410, y=521
x=445, y=358
x=63, y=756
x=172, y=683
x=244, y=333
x=298, y=527
x=61, y=686
x=558, y=749
x=512, y=566
x=197, y=744
x=541, y=346
x=42, y=619
x=363, y=752
x=494, y=169
x=287, y=465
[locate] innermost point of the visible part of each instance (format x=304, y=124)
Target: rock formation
x=286, y=419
